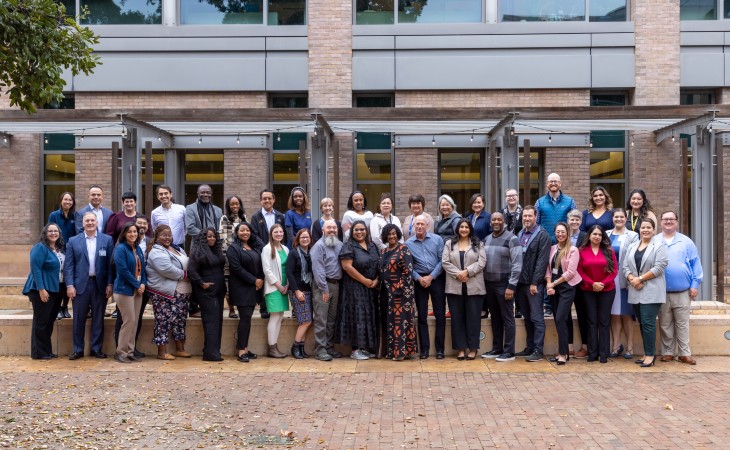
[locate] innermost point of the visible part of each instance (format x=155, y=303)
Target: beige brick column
x=93, y=167
x=573, y=166
x=345, y=167
x=656, y=37
x=21, y=190
x=654, y=168
x=246, y=173
x=416, y=172
x=330, y=53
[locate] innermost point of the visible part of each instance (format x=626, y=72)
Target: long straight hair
x=605, y=245
x=563, y=253
x=271, y=239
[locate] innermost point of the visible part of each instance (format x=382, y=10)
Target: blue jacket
x=126, y=283
x=550, y=212
x=67, y=226
x=483, y=226
x=78, y=218
x=76, y=266
x=45, y=269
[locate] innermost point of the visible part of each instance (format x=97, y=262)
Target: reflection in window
x=58, y=172
x=607, y=165
x=698, y=9
x=374, y=12
x=289, y=101
x=374, y=167
x=696, y=98
x=285, y=168
x=204, y=168
x=197, y=12
x=542, y=10
x=59, y=167
x=123, y=12
x=607, y=10
x=439, y=11
x=460, y=175
x=70, y=7
x=374, y=100
x=287, y=12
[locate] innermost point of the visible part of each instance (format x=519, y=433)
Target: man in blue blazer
x=88, y=275
x=96, y=196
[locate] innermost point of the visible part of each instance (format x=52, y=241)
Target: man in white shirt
x=96, y=197
x=170, y=214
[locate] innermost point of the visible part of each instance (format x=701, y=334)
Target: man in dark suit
x=96, y=196
x=88, y=275
x=262, y=221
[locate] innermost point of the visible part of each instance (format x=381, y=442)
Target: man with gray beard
x=326, y=290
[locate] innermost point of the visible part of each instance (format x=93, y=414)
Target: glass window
x=542, y=10
x=287, y=12
x=374, y=141
x=698, y=9
x=727, y=9
x=122, y=12
x=59, y=142
x=212, y=12
x=70, y=7
x=608, y=99
x=204, y=167
x=607, y=10
x=374, y=167
x=607, y=165
x=536, y=162
x=58, y=171
x=285, y=176
x=289, y=101
x=374, y=100
x=158, y=177
x=439, y=11
x=52, y=195
x=460, y=175
x=696, y=98
x=59, y=167
x=374, y=12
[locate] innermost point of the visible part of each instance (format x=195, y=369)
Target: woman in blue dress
x=599, y=210
x=621, y=312
x=299, y=215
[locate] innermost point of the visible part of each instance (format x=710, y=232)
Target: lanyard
x=633, y=221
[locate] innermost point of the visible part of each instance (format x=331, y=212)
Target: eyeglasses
x=53, y=231
x=553, y=182
x=669, y=220
x=512, y=195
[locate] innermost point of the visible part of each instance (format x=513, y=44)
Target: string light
x=591, y=144
x=392, y=142
x=673, y=135
x=278, y=136
x=433, y=140
x=238, y=138
x=355, y=138
x=82, y=135
x=472, y=136
x=159, y=137
x=5, y=139
x=200, y=138
x=124, y=132
x=710, y=128
x=550, y=138
x=45, y=139
x=315, y=129
x=632, y=140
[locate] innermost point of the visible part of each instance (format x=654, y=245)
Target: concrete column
x=330, y=53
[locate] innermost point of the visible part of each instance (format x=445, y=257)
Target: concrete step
x=18, y=301
x=707, y=335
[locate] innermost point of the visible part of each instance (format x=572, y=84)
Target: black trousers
x=562, y=306
x=44, y=318
x=437, y=293
x=502, y=313
x=211, y=313
x=582, y=314
x=244, y=326
x=120, y=321
x=531, y=306
x=598, y=307
x=466, y=320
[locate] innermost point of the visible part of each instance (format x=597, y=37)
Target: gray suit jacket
x=474, y=262
x=655, y=259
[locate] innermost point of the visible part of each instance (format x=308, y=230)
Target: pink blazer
x=569, y=265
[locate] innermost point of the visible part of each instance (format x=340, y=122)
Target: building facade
x=185, y=55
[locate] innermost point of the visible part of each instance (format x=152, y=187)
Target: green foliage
x=37, y=43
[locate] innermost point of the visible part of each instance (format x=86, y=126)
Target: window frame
x=391, y=179
x=481, y=180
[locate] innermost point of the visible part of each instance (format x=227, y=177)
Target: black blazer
x=259, y=225
x=317, y=230
x=294, y=272
x=245, y=268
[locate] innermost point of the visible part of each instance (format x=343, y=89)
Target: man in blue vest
x=550, y=209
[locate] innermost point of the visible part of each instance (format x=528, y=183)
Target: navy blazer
x=67, y=226
x=45, y=269
x=78, y=218
x=76, y=266
x=483, y=227
x=126, y=283
x=259, y=225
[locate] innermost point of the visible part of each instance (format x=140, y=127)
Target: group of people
x=367, y=281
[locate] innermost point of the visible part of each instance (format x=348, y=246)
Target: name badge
x=102, y=252
x=139, y=278
x=555, y=271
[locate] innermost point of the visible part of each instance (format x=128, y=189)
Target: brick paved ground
x=371, y=404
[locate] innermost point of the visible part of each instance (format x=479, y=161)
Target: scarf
x=205, y=212
x=304, y=259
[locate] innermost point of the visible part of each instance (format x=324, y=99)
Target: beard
x=331, y=241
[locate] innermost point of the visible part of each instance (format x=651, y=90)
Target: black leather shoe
x=243, y=358
x=44, y=357
x=265, y=314
x=251, y=355
x=132, y=358
x=75, y=355
x=53, y=355
x=99, y=355
x=212, y=358
x=335, y=354
x=138, y=354
x=440, y=355
x=424, y=355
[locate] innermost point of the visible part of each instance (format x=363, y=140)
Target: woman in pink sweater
x=598, y=268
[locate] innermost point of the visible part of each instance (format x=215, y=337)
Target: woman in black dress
x=356, y=323
x=209, y=286
x=299, y=275
x=245, y=282
x=396, y=269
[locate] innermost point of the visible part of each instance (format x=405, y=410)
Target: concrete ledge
x=707, y=335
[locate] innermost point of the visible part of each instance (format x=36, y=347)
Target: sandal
x=629, y=353
x=232, y=315
x=166, y=357
x=618, y=351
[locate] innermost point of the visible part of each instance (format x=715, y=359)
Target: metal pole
x=720, y=220
x=148, y=194
x=526, y=174
x=115, y=176
x=493, y=185
x=684, y=186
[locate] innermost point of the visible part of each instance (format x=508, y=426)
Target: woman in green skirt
x=273, y=260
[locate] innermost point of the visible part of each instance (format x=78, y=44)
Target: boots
x=296, y=350
x=274, y=352
x=301, y=347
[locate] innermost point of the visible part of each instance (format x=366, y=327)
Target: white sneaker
x=358, y=355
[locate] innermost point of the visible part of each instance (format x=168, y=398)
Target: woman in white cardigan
x=273, y=261
x=562, y=278
x=643, y=268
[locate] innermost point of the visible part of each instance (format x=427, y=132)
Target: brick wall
x=246, y=172
x=573, y=166
x=651, y=168
x=657, y=65
x=329, y=33
x=417, y=172
x=345, y=168
x=93, y=167
x=493, y=98
x=141, y=100
x=21, y=190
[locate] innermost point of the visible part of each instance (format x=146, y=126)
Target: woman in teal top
x=43, y=288
x=273, y=261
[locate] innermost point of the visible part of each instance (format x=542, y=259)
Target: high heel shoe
x=562, y=362
x=460, y=357
x=471, y=357
x=618, y=351
x=648, y=364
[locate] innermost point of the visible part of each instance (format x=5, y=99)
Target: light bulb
x=433, y=140
x=200, y=139
x=550, y=139
x=238, y=138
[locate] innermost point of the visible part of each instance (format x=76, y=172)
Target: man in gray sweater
x=325, y=290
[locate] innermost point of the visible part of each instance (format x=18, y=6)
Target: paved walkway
x=373, y=404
